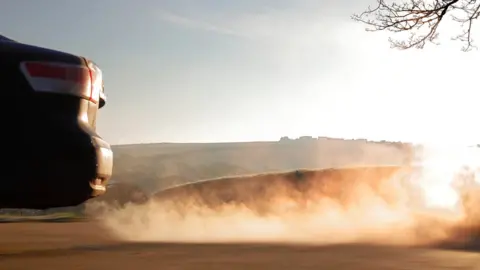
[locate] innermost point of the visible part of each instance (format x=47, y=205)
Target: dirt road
x=85, y=245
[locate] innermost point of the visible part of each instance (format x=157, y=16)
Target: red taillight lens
x=96, y=77
x=60, y=78
x=76, y=74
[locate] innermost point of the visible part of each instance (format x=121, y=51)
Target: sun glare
x=442, y=166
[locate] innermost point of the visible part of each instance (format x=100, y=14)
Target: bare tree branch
x=421, y=18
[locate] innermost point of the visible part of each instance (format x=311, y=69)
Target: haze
x=209, y=71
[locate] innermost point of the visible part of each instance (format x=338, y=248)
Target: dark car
x=52, y=154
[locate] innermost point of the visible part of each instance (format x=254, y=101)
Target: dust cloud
x=431, y=201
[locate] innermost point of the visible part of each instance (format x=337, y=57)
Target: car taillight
x=79, y=80
x=96, y=78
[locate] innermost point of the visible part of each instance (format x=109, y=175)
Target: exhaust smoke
x=434, y=200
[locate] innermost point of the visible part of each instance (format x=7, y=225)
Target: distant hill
x=153, y=167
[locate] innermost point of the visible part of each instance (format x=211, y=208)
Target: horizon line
x=267, y=141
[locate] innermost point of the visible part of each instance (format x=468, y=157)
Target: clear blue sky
x=212, y=70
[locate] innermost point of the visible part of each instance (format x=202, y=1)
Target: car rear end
x=55, y=156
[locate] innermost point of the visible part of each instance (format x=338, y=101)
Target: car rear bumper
x=56, y=171
x=104, y=157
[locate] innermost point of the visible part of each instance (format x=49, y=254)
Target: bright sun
x=441, y=166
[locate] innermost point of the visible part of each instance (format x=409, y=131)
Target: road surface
x=85, y=245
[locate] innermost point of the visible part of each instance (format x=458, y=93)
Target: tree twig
x=421, y=19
